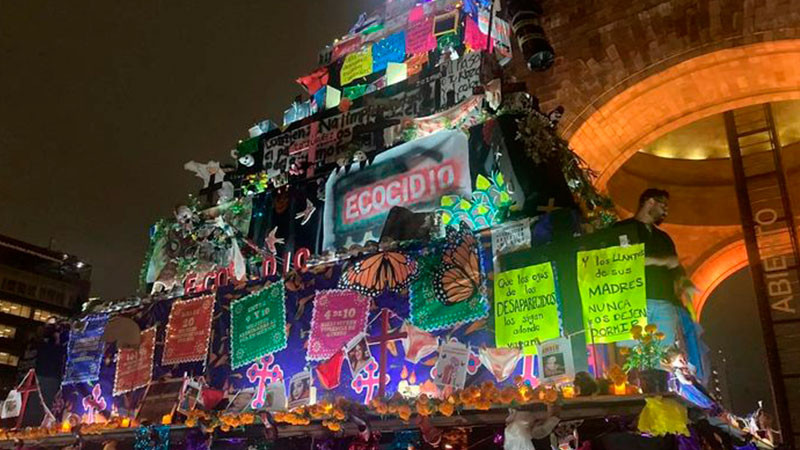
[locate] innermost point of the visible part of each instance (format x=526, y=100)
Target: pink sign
x=419, y=36
x=338, y=317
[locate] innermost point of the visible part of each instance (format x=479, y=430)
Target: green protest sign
x=258, y=325
x=526, y=307
x=611, y=282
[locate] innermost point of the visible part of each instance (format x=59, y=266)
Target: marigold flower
x=651, y=328
x=636, y=331
x=660, y=336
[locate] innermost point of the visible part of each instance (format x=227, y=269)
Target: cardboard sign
x=135, y=366
x=612, y=286
x=460, y=77
x=414, y=175
x=356, y=65
x=258, y=325
x=188, y=330
x=338, y=317
x=555, y=361
x=85, y=350
x=526, y=307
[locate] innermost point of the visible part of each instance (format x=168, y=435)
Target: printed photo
x=300, y=389
x=554, y=365
x=358, y=354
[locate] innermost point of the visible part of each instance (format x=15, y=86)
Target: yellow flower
x=651, y=328
x=647, y=338
x=636, y=331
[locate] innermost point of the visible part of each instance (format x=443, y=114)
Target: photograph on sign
x=358, y=354
x=555, y=361
x=300, y=390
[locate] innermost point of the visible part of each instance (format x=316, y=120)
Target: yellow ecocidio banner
x=526, y=307
x=612, y=286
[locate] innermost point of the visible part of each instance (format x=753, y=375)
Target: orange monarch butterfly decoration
x=382, y=271
x=459, y=277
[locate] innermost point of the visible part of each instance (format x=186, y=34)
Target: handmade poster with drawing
x=451, y=368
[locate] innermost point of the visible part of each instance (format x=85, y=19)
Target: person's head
x=653, y=206
x=358, y=352
x=298, y=388
x=551, y=361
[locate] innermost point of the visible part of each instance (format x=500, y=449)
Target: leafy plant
x=649, y=351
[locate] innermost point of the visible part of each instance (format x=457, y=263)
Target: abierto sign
x=414, y=175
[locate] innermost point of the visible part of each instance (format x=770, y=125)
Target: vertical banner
x=85, y=350
x=135, y=366
x=188, y=330
x=338, y=317
x=258, y=325
x=612, y=285
x=526, y=307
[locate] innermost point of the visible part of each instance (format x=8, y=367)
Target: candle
x=166, y=419
x=126, y=422
x=620, y=389
x=568, y=391
x=66, y=427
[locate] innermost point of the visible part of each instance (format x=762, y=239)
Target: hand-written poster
x=356, y=65
x=526, y=307
x=188, y=330
x=85, y=350
x=420, y=37
x=460, y=77
x=612, y=286
x=338, y=317
x=135, y=366
x=511, y=236
x=258, y=325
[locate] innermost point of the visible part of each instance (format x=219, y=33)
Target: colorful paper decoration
x=263, y=372
x=449, y=289
x=355, y=91
x=356, y=65
x=488, y=206
x=612, y=285
x=338, y=317
x=258, y=325
x=94, y=402
x=529, y=370
x=395, y=73
x=188, y=330
x=326, y=98
x=85, y=350
x=316, y=80
x=379, y=272
x=474, y=38
x=368, y=380
x=346, y=46
x=420, y=37
x=526, y=307
x=391, y=49
x=135, y=366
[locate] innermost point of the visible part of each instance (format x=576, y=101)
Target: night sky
x=101, y=103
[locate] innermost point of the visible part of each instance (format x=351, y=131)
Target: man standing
x=665, y=279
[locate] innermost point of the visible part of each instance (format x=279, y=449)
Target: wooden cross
x=551, y=206
x=28, y=385
x=383, y=339
x=212, y=187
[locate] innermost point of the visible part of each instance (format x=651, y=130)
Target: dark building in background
x=38, y=288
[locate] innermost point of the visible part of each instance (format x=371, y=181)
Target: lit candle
x=66, y=427
x=126, y=422
x=568, y=391
x=166, y=419
x=620, y=389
